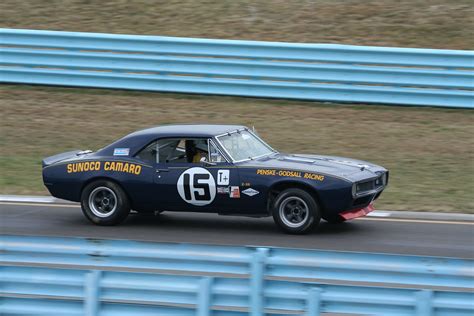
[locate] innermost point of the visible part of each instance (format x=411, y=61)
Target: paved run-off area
x=447, y=238
x=429, y=151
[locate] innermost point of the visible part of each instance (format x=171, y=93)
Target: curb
x=459, y=217
x=33, y=199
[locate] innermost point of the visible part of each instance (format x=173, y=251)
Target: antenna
x=254, y=130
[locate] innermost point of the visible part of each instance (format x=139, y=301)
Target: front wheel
x=296, y=211
x=105, y=203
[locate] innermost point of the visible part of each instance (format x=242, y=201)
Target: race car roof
x=137, y=140
x=192, y=130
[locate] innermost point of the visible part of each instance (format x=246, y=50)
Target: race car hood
x=341, y=167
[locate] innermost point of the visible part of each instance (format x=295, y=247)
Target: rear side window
x=176, y=150
x=148, y=154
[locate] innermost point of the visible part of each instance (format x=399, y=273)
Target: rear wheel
x=296, y=211
x=105, y=203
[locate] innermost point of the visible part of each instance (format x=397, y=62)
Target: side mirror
x=204, y=161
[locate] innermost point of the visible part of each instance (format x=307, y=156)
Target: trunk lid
x=64, y=156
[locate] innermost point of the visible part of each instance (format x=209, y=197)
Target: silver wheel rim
x=294, y=211
x=102, y=202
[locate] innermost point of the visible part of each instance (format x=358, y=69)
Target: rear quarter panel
x=66, y=180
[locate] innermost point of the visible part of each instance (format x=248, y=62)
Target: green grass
x=409, y=23
x=21, y=174
x=429, y=151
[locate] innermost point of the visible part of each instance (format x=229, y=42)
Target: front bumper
x=357, y=212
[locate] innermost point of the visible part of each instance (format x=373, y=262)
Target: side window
x=176, y=150
x=148, y=154
x=196, y=150
x=168, y=151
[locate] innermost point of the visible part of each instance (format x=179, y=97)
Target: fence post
x=204, y=296
x=424, y=303
x=91, y=300
x=313, y=302
x=257, y=275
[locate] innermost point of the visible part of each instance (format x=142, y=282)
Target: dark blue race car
x=224, y=169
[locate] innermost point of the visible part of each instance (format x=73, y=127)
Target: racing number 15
x=197, y=186
x=200, y=189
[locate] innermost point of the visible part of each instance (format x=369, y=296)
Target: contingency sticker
x=250, y=192
x=223, y=177
x=223, y=190
x=121, y=151
x=234, y=193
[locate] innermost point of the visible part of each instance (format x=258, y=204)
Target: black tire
x=295, y=211
x=105, y=203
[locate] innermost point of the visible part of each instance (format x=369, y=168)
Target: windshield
x=242, y=145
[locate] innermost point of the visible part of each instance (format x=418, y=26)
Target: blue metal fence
x=279, y=262
x=325, y=72
x=205, y=295
x=77, y=276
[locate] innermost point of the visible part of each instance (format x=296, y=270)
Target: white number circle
x=197, y=186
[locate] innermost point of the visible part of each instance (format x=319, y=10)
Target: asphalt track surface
x=376, y=235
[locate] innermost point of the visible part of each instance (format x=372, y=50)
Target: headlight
x=382, y=180
x=364, y=186
x=368, y=186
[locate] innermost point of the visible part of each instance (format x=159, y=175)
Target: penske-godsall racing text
x=290, y=173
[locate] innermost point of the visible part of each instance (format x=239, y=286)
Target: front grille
x=364, y=186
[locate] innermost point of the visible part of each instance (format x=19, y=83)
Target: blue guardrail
x=74, y=276
x=322, y=72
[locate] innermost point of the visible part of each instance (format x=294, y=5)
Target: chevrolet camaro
x=224, y=169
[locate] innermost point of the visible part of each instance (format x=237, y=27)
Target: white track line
x=27, y=198
x=379, y=214
x=39, y=204
x=423, y=221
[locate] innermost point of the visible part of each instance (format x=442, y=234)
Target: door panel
x=196, y=187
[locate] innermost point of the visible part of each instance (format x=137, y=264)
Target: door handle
x=162, y=170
